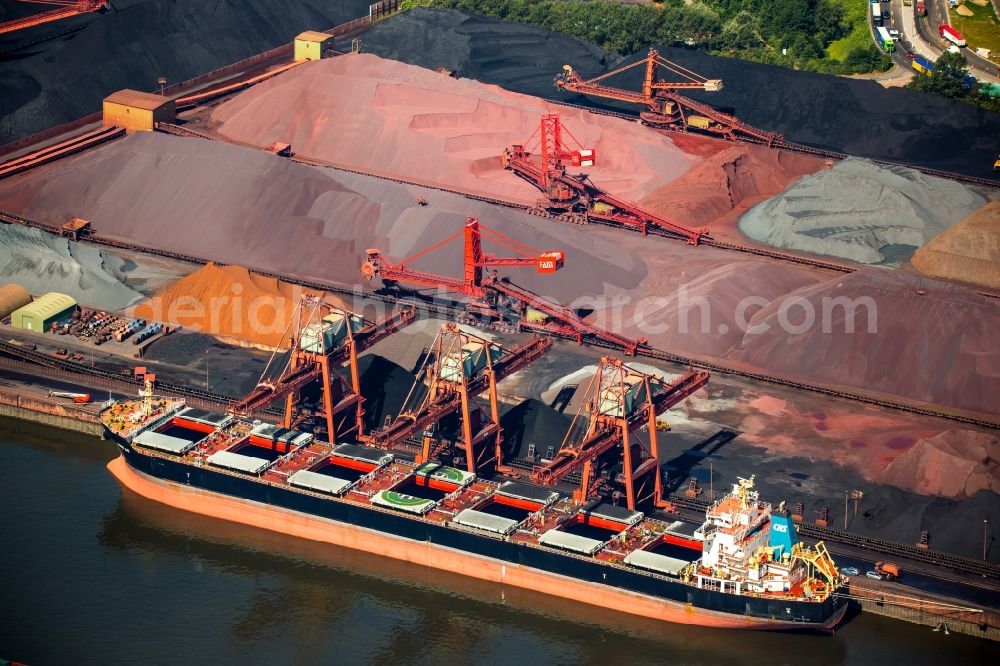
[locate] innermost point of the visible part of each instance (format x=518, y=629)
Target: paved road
x=929, y=44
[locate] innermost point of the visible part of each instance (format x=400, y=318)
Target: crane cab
x=550, y=262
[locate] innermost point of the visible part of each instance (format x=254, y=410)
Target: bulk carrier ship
x=463, y=509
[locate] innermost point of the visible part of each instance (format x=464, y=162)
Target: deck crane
x=492, y=297
x=620, y=400
x=565, y=192
x=668, y=108
x=65, y=9
x=323, y=337
x=459, y=367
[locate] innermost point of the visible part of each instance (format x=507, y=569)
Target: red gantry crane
x=620, y=400
x=65, y=9
x=565, y=192
x=459, y=367
x=667, y=108
x=494, y=298
x=323, y=337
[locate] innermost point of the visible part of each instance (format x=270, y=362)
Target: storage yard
x=304, y=250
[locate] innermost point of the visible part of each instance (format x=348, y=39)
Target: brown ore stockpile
x=231, y=302
x=967, y=252
x=366, y=112
x=242, y=206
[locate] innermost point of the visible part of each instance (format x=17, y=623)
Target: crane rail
x=73, y=367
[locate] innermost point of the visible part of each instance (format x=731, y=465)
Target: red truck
x=952, y=35
x=920, y=8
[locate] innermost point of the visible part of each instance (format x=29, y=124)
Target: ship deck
x=373, y=478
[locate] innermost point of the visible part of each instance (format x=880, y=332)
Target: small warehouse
x=138, y=111
x=39, y=315
x=310, y=44
x=12, y=297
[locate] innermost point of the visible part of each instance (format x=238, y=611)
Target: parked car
x=850, y=571
x=874, y=575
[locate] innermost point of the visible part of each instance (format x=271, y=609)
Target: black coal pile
x=533, y=422
x=385, y=386
x=855, y=116
x=135, y=43
x=518, y=57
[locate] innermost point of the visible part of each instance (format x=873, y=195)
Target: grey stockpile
x=131, y=46
x=42, y=263
x=890, y=212
x=855, y=116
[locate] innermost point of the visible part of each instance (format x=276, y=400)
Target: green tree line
x=792, y=33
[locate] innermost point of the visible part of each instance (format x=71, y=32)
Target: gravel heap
x=855, y=116
x=956, y=463
x=42, y=263
x=890, y=212
x=247, y=207
x=137, y=42
x=938, y=346
x=240, y=206
x=967, y=252
x=366, y=112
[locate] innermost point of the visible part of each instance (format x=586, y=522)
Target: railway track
x=884, y=546
x=456, y=311
x=73, y=367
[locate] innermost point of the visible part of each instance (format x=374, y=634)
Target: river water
x=93, y=574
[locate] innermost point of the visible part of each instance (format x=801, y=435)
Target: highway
x=921, y=37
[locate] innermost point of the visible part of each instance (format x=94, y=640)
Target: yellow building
x=310, y=44
x=12, y=297
x=137, y=111
x=39, y=315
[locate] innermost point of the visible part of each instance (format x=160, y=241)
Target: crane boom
x=65, y=9
x=666, y=106
x=564, y=191
x=407, y=425
x=572, y=457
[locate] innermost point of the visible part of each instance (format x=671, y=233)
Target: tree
x=866, y=58
x=828, y=21
x=948, y=79
x=743, y=31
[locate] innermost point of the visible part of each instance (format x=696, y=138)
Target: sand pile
x=889, y=213
x=937, y=347
x=856, y=116
x=729, y=176
x=139, y=41
x=967, y=252
x=956, y=463
x=42, y=263
x=366, y=112
x=231, y=302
